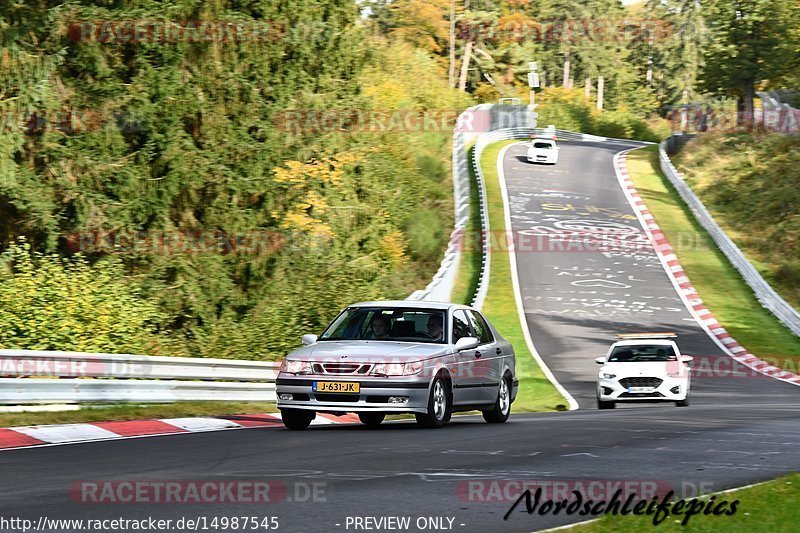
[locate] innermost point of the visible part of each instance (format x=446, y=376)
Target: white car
x=543, y=151
x=644, y=367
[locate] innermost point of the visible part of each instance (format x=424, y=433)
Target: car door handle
x=478, y=354
x=498, y=351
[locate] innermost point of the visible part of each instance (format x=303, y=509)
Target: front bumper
x=373, y=396
x=542, y=159
x=670, y=390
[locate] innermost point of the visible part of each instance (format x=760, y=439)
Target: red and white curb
x=684, y=287
x=57, y=434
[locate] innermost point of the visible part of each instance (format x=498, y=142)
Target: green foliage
x=569, y=110
x=176, y=143
x=751, y=42
x=49, y=303
x=750, y=183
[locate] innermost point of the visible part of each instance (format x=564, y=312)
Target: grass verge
x=469, y=267
x=536, y=393
x=717, y=282
x=103, y=413
x=771, y=506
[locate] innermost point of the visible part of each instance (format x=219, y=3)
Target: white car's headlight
x=296, y=367
x=606, y=375
x=397, y=369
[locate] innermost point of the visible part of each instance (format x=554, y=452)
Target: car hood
x=368, y=351
x=648, y=369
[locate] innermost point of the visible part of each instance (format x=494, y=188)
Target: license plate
x=640, y=389
x=346, y=387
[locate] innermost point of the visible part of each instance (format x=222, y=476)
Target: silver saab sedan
x=375, y=358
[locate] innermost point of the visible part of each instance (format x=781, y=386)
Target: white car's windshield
x=388, y=324
x=543, y=145
x=642, y=353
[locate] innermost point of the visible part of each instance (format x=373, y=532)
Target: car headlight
x=296, y=367
x=606, y=375
x=397, y=369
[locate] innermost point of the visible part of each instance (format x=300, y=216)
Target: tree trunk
x=452, y=73
x=587, y=88
x=600, y=87
x=462, y=82
x=749, y=95
x=565, y=80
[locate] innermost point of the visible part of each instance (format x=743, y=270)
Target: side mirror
x=600, y=360
x=687, y=359
x=466, y=343
x=309, y=338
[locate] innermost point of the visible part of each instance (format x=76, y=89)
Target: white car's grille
x=641, y=382
x=341, y=368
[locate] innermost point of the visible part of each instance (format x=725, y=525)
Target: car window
x=399, y=324
x=460, y=325
x=642, y=353
x=546, y=146
x=481, y=327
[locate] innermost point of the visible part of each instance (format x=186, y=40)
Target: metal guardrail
x=441, y=286
x=32, y=376
x=763, y=291
x=470, y=124
x=776, y=115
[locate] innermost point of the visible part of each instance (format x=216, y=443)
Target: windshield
x=544, y=145
x=388, y=324
x=642, y=353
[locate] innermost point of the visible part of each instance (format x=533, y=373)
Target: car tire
x=605, y=405
x=371, y=419
x=502, y=405
x=440, y=406
x=683, y=403
x=297, y=419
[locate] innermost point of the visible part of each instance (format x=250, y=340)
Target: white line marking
x=573, y=404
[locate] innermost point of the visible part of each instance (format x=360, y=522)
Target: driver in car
x=380, y=327
x=435, y=328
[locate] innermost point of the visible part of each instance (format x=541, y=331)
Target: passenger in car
x=380, y=327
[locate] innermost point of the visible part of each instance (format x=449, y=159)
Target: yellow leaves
x=387, y=94
x=421, y=22
x=393, y=248
x=301, y=221
x=306, y=202
x=329, y=170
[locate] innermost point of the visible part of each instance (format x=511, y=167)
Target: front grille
x=641, y=382
x=641, y=395
x=336, y=397
x=341, y=368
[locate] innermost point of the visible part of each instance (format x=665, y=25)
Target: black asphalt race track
x=737, y=431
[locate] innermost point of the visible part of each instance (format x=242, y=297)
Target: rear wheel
x=439, y=406
x=502, y=405
x=297, y=418
x=371, y=419
x=605, y=405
